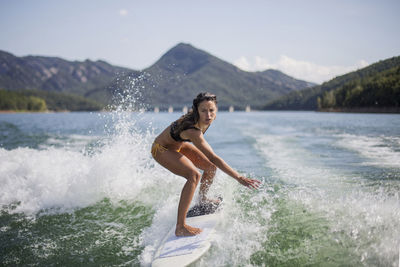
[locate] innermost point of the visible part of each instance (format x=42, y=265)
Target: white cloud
x=299, y=69
x=243, y=63
x=123, y=12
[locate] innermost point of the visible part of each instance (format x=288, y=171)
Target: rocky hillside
x=55, y=74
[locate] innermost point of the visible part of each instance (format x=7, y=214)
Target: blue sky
x=314, y=40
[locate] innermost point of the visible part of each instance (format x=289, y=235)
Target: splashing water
x=82, y=189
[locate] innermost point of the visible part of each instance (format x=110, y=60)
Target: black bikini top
x=177, y=135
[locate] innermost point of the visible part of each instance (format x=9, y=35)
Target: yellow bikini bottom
x=156, y=147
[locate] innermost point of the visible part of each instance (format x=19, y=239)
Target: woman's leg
x=182, y=166
x=203, y=163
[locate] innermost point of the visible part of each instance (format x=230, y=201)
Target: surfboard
x=181, y=251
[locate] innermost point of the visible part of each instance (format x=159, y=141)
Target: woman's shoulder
x=184, y=125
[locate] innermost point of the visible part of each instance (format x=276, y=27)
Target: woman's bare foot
x=187, y=230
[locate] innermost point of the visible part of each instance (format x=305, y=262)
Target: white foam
x=61, y=178
x=360, y=212
x=242, y=228
x=294, y=164
x=377, y=150
x=236, y=230
x=72, y=142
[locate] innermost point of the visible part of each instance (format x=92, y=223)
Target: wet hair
x=192, y=117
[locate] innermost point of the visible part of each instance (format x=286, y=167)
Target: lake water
x=82, y=189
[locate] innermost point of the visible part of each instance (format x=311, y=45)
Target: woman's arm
x=198, y=140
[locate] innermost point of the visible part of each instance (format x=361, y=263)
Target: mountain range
x=174, y=80
x=184, y=71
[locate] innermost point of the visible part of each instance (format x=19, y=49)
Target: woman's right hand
x=250, y=183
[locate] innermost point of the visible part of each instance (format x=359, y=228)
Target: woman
x=172, y=150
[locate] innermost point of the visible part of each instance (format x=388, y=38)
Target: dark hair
x=192, y=117
x=200, y=98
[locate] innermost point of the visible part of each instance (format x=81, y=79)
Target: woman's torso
x=165, y=139
x=171, y=138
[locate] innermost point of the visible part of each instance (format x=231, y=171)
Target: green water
x=105, y=232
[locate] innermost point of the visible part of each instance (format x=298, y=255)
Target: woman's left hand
x=250, y=183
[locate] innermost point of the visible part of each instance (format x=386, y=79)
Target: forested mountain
x=376, y=86
x=174, y=80
x=184, y=71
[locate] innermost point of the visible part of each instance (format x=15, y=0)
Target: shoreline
x=31, y=111
x=383, y=110
x=47, y=111
x=366, y=110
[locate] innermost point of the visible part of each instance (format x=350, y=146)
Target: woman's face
x=207, y=112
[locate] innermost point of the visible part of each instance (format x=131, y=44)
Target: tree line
x=381, y=90
x=16, y=101
x=375, y=86
x=37, y=100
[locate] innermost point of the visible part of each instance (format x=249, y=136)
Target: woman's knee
x=194, y=176
x=211, y=169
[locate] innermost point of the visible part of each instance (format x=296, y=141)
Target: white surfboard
x=181, y=251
